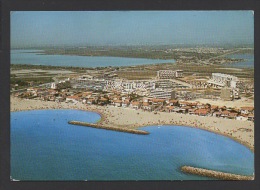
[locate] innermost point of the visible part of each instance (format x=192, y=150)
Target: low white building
x=53, y=85
x=73, y=99
x=118, y=103
x=135, y=105
x=241, y=118
x=125, y=103
x=246, y=110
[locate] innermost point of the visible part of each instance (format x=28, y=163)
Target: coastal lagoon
x=45, y=147
x=36, y=57
x=247, y=63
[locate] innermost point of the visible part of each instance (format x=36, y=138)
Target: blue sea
x=45, y=147
x=36, y=57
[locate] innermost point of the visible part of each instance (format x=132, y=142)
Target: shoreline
x=121, y=117
x=154, y=125
x=211, y=131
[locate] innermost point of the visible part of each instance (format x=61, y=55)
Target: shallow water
x=35, y=57
x=45, y=147
x=248, y=63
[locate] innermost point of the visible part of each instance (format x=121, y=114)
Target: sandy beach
x=241, y=131
x=235, y=104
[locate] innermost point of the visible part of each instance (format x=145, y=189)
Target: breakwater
x=126, y=130
x=214, y=174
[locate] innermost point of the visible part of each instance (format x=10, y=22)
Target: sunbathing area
x=239, y=130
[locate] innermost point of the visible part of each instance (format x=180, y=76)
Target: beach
x=240, y=131
x=234, y=104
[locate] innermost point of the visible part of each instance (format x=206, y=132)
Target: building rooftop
x=73, y=97
x=247, y=108
x=158, y=100
x=117, y=101
x=145, y=104
x=135, y=103
x=173, y=101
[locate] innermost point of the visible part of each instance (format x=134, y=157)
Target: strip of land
x=214, y=174
x=240, y=131
x=120, y=129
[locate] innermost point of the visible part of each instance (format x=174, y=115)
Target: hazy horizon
x=131, y=28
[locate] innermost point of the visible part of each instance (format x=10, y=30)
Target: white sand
x=236, y=103
x=127, y=117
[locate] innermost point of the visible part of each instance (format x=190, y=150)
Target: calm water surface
x=34, y=57
x=248, y=63
x=45, y=147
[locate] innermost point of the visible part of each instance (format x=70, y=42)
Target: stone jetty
x=126, y=130
x=214, y=174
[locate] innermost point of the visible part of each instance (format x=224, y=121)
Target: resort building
x=229, y=94
x=187, y=95
x=179, y=73
x=88, y=82
x=161, y=93
x=167, y=83
x=169, y=74
x=226, y=94
x=220, y=80
x=128, y=86
x=53, y=85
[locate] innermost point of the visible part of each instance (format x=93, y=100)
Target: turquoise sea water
x=45, y=147
x=34, y=57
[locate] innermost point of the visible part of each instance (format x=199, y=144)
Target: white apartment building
x=169, y=74
x=129, y=86
x=161, y=93
x=179, y=73
x=223, y=80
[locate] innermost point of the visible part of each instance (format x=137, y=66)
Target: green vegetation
x=193, y=62
x=145, y=52
x=26, y=82
x=138, y=75
x=149, y=52
x=46, y=67
x=139, y=72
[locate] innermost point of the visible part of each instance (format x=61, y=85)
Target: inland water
x=35, y=57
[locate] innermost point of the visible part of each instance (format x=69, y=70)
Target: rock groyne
x=214, y=174
x=126, y=130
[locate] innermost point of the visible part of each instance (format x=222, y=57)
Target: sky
x=43, y=28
